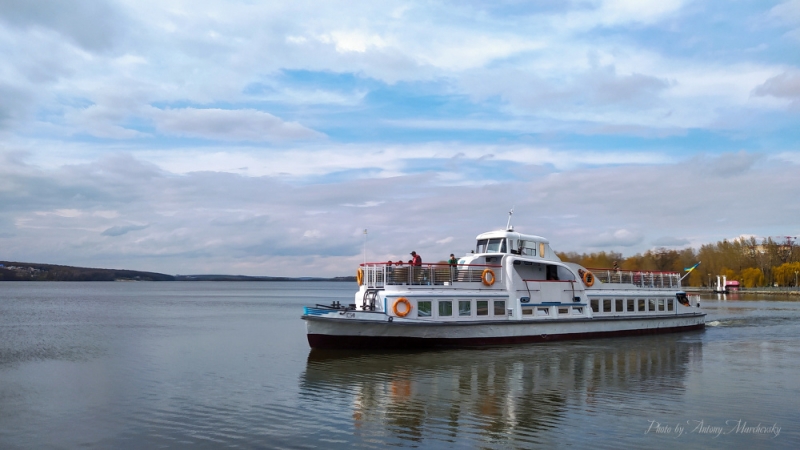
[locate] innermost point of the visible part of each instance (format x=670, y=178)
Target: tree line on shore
x=752, y=262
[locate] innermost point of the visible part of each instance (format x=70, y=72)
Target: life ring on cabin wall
x=404, y=301
x=488, y=277
x=360, y=276
x=588, y=279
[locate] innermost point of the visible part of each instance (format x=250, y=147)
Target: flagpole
x=690, y=270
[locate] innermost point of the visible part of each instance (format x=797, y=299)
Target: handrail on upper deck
x=640, y=278
x=377, y=275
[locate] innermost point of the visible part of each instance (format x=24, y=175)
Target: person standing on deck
x=452, y=263
x=416, y=260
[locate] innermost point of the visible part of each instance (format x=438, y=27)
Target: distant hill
x=18, y=271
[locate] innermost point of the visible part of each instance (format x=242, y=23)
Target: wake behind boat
x=512, y=289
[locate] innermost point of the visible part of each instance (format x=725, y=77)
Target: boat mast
x=509, y=227
x=365, y=247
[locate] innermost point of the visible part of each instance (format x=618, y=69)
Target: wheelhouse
x=510, y=242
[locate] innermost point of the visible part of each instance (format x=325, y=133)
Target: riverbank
x=757, y=291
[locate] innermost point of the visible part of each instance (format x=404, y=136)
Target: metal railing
x=378, y=275
x=640, y=279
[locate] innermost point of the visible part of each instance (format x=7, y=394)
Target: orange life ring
x=402, y=300
x=360, y=276
x=488, y=280
x=588, y=279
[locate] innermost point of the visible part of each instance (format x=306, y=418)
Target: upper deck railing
x=638, y=278
x=378, y=275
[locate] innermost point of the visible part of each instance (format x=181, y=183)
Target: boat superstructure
x=511, y=289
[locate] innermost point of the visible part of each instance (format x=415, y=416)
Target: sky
x=263, y=138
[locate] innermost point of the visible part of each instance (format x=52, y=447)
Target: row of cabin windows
x=445, y=308
x=632, y=305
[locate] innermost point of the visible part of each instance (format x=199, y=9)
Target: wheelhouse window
x=424, y=308
x=445, y=308
x=527, y=248
x=494, y=245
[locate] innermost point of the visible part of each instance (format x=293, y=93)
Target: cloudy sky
x=262, y=138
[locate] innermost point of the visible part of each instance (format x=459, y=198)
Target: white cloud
x=786, y=86
x=229, y=125
x=618, y=238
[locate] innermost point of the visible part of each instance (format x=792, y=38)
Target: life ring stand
x=588, y=279
x=488, y=277
x=360, y=276
x=401, y=300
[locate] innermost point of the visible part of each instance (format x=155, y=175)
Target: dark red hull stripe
x=364, y=342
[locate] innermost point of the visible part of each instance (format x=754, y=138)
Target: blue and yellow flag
x=689, y=269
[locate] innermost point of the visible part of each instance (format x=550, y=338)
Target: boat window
x=670, y=305
x=481, y=248
x=423, y=308
x=445, y=308
x=464, y=308
x=607, y=305
x=527, y=311
x=496, y=245
x=563, y=310
x=541, y=249
x=577, y=309
x=618, y=305
x=631, y=305
x=542, y=311
x=661, y=304
x=641, y=305
x=482, y=307
x=595, y=305
x=651, y=304
x=527, y=248
x=499, y=307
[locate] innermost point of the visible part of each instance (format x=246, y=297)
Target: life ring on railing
x=588, y=279
x=404, y=301
x=488, y=277
x=360, y=276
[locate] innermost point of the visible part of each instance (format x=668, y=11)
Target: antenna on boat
x=510, y=227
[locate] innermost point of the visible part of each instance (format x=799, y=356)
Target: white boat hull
x=336, y=332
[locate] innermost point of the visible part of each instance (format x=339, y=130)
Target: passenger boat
x=511, y=289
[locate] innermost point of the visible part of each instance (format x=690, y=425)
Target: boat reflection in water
x=489, y=396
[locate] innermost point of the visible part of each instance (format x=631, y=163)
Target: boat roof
x=512, y=235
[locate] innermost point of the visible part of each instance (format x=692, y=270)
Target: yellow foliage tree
x=784, y=274
x=752, y=277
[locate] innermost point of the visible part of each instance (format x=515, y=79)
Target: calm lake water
x=217, y=365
